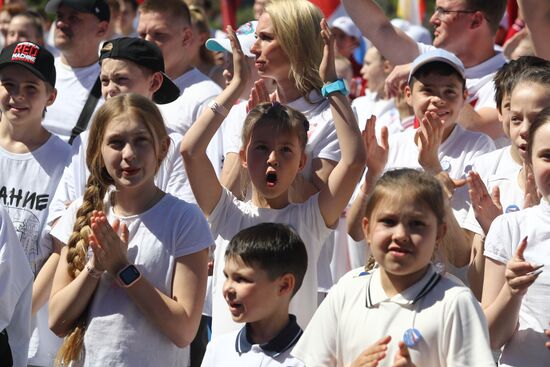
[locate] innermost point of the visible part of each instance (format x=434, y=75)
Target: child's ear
x=51, y=97
x=286, y=284
x=156, y=82
x=387, y=67
x=408, y=95
x=242, y=155
x=441, y=231
x=303, y=160
x=164, y=146
x=365, y=225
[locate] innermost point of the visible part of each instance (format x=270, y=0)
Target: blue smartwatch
x=337, y=86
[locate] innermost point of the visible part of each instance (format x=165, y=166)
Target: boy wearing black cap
x=33, y=161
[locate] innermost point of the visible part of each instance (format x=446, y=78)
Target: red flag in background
x=327, y=6
x=229, y=13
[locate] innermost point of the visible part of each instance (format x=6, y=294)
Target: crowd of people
x=299, y=191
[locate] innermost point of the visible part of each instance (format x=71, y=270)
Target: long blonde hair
x=296, y=25
x=129, y=106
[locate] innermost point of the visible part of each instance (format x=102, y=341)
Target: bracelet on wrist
x=94, y=273
x=218, y=108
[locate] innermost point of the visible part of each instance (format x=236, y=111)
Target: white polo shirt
x=235, y=350
x=526, y=346
x=357, y=313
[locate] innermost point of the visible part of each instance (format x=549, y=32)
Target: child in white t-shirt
x=264, y=268
x=128, y=294
x=274, y=138
x=404, y=312
x=15, y=296
x=32, y=161
x=516, y=288
x=500, y=179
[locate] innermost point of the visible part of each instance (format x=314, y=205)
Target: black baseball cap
x=146, y=54
x=99, y=8
x=35, y=58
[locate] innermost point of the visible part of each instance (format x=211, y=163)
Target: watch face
x=129, y=274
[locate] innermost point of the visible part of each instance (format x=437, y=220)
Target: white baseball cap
x=246, y=34
x=437, y=55
x=347, y=26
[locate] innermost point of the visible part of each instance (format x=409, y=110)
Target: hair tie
x=306, y=125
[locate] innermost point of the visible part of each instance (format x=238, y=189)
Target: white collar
x=377, y=295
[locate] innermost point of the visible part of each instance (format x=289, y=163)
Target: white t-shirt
x=357, y=313
x=456, y=155
x=384, y=109
x=15, y=291
x=526, y=346
x=196, y=91
x=26, y=189
x=497, y=168
x=235, y=350
x=170, y=178
x=117, y=332
x=73, y=87
x=26, y=193
x=231, y=216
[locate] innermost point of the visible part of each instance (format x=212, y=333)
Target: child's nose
x=272, y=160
x=128, y=153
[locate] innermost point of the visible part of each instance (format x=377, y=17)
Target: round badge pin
x=446, y=166
x=412, y=337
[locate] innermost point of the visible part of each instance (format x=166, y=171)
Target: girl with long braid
x=131, y=292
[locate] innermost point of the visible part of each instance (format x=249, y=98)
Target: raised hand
x=396, y=81
x=373, y=354
x=109, y=243
x=377, y=153
x=241, y=68
x=403, y=358
x=258, y=95
x=429, y=137
x=520, y=274
x=486, y=207
x=327, y=69
x=449, y=184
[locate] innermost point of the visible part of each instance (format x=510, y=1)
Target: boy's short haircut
x=437, y=61
x=508, y=75
x=493, y=11
x=273, y=247
x=33, y=57
x=177, y=9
